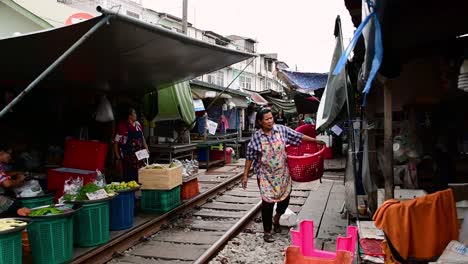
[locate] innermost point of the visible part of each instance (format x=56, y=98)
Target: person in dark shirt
x=9, y=206
x=281, y=119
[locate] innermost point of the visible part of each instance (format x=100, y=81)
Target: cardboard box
x=160, y=179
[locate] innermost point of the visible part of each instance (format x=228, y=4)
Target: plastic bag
x=71, y=189
x=29, y=189
x=289, y=218
x=100, y=179
x=104, y=110
x=464, y=229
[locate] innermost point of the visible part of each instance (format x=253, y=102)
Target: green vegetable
x=88, y=188
x=46, y=211
x=69, y=197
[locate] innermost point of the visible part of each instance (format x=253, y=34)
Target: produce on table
x=154, y=166
x=113, y=187
x=7, y=224
x=88, y=188
x=51, y=210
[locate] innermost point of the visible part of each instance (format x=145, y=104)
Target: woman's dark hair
x=130, y=111
x=261, y=114
x=5, y=147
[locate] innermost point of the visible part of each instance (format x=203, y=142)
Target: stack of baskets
x=305, y=162
x=160, y=188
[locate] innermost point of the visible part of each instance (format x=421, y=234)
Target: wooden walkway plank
x=227, y=206
x=138, y=260
x=181, y=236
x=237, y=200
x=169, y=251
x=303, y=194
x=218, y=214
x=210, y=225
x=242, y=193
x=297, y=201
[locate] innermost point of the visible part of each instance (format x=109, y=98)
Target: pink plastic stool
x=304, y=238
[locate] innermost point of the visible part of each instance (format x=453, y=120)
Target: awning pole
x=388, y=141
x=54, y=65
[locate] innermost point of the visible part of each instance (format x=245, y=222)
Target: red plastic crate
x=85, y=155
x=189, y=189
x=219, y=155
x=81, y=160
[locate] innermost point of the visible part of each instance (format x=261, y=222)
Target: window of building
x=245, y=82
x=133, y=14
x=267, y=85
x=220, y=78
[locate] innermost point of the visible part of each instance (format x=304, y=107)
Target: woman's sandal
x=268, y=237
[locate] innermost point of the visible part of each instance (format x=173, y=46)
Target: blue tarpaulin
x=305, y=80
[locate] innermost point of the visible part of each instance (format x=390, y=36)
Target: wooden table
x=166, y=152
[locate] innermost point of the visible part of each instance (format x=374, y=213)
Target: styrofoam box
x=400, y=194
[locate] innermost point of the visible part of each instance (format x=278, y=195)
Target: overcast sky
x=300, y=31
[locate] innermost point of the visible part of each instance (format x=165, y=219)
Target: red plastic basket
x=305, y=162
x=189, y=189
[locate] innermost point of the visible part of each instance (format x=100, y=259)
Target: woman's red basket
x=305, y=162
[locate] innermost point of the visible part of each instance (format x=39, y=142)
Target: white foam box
x=400, y=194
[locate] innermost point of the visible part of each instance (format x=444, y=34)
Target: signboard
x=198, y=105
x=99, y=194
x=212, y=126
x=77, y=18
x=142, y=154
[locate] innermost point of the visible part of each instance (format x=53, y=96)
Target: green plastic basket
x=51, y=240
x=91, y=224
x=36, y=202
x=160, y=201
x=11, y=248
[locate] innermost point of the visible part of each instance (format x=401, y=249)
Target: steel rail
x=234, y=230
x=129, y=239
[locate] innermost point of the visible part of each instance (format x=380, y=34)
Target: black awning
x=130, y=55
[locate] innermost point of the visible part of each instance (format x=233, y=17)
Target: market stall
x=219, y=126
x=103, y=56
x=408, y=128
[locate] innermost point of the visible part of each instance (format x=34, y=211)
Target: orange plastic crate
x=189, y=189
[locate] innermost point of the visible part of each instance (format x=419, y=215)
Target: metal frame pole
x=54, y=65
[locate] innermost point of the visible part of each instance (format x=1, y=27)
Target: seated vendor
x=9, y=206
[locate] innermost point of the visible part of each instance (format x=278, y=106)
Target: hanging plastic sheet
x=175, y=102
x=366, y=184
x=334, y=96
x=371, y=30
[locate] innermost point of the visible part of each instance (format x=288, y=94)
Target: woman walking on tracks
x=267, y=152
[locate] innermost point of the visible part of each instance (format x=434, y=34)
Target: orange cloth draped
x=418, y=229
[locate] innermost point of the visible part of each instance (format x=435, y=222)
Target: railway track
x=194, y=232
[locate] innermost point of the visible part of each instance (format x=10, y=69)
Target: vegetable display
x=88, y=188
x=51, y=210
x=7, y=224
x=115, y=187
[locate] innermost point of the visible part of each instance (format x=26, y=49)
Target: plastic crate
x=51, y=240
x=160, y=201
x=91, y=224
x=11, y=249
x=219, y=155
x=201, y=155
x=36, y=202
x=189, y=189
x=121, y=210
